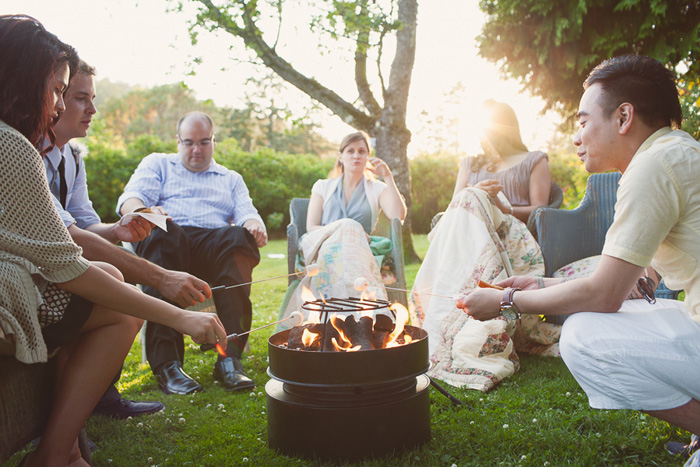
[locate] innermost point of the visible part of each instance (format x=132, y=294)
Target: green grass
x=538, y=417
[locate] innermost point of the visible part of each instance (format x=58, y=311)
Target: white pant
x=644, y=357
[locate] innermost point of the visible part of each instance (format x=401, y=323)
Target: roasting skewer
x=310, y=270
x=361, y=284
x=232, y=337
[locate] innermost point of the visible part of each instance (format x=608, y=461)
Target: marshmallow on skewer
x=361, y=284
x=312, y=270
x=295, y=318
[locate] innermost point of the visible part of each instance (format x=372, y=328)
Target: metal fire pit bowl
x=348, y=405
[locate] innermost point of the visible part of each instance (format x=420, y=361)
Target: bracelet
x=540, y=282
x=511, y=209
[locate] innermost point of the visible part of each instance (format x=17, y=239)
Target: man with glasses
x=630, y=354
x=214, y=233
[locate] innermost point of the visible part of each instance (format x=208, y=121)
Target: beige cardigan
x=35, y=246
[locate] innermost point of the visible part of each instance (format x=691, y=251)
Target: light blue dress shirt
x=79, y=210
x=214, y=198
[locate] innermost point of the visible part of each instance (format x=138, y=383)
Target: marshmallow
x=361, y=283
x=312, y=270
x=295, y=318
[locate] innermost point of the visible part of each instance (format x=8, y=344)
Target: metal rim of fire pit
x=361, y=367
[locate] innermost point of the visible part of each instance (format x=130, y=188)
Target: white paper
x=157, y=219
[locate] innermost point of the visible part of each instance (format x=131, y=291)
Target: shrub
x=433, y=180
x=107, y=171
x=568, y=172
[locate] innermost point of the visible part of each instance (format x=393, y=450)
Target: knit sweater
x=35, y=246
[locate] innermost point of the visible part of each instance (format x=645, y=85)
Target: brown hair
x=30, y=57
x=337, y=169
x=501, y=137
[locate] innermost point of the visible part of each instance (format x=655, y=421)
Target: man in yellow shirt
x=630, y=354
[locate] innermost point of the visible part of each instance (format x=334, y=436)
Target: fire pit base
x=347, y=429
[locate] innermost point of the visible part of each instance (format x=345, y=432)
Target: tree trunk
x=392, y=144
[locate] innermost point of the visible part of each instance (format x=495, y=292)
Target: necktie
x=62, y=188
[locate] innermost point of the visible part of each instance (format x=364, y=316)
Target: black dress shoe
x=173, y=380
x=229, y=371
x=125, y=408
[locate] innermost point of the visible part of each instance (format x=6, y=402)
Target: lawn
x=539, y=417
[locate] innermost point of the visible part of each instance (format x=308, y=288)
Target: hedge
x=274, y=178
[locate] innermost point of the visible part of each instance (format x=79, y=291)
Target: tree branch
x=252, y=37
x=361, y=82
x=400, y=81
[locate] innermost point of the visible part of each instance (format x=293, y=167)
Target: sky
x=139, y=43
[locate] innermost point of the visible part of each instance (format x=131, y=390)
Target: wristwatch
x=508, y=308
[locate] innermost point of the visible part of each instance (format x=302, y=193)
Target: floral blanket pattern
x=475, y=241
x=342, y=252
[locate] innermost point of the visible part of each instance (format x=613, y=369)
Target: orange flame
x=308, y=296
x=308, y=337
x=345, y=344
x=345, y=349
x=401, y=320
x=221, y=350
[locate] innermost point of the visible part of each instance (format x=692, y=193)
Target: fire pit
x=343, y=402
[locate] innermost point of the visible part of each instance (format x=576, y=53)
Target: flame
x=401, y=320
x=407, y=339
x=345, y=344
x=221, y=350
x=308, y=337
x=370, y=293
x=307, y=295
x=345, y=349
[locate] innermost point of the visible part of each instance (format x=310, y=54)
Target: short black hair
x=641, y=81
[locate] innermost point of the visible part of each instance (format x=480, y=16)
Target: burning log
x=383, y=323
x=308, y=337
x=359, y=333
x=383, y=326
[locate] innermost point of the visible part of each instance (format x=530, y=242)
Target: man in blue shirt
x=215, y=233
x=97, y=239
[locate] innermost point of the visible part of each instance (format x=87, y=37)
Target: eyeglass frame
x=202, y=143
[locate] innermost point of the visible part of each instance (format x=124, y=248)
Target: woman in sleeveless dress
x=482, y=236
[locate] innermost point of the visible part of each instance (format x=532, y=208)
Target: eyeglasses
x=202, y=143
x=646, y=286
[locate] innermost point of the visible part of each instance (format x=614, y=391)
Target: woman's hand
x=492, y=187
x=482, y=304
x=204, y=328
x=380, y=168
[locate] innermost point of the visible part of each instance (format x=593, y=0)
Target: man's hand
x=159, y=210
x=521, y=282
x=183, y=289
x=133, y=231
x=258, y=230
x=481, y=304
